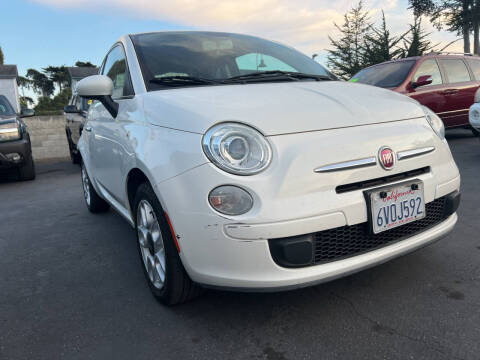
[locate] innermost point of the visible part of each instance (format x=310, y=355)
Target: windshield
x=5, y=107
x=388, y=75
x=215, y=57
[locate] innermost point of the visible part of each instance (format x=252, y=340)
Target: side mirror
x=27, y=113
x=98, y=87
x=422, y=81
x=70, y=109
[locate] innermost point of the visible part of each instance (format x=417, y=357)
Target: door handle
x=88, y=128
x=450, y=92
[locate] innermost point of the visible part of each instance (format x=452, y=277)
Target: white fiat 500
x=475, y=113
x=245, y=165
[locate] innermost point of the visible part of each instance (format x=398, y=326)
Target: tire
x=475, y=132
x=94, y=202
x=155, y=243
x=75, y=157
x=27, y=171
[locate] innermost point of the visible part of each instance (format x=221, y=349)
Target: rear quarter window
x=475, y=66
x=456, y=70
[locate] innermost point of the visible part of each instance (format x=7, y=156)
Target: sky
x=38, y=33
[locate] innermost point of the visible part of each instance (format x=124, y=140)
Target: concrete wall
x=47, y=134
x=9, y=88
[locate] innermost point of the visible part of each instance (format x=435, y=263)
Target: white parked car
x=245, y=165
x=475, y=113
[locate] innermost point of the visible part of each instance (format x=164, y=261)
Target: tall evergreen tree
x=460, y=16
x=380, y=45
x=475, y=16
x=346, y=57
x=417, y=42
x=1, y=56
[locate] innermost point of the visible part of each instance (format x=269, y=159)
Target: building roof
x=81, y=72
x=8, y=71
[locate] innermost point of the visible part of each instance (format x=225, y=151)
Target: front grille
x=347, y=241
x=381, y=181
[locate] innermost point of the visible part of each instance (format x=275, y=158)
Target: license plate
x=396, y=205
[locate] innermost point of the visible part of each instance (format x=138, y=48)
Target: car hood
x=7, y=118
x=278, y=108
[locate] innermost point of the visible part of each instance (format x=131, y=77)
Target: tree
x=380, y=46
x=417, y=43
x=475, y=16
x=41, y=84
x=84, y=64
x=460, y=16
x=47, y=105
x=58, y=75
x=24, y=84
x=1, y=56
x=25, y=101
x=347, y=56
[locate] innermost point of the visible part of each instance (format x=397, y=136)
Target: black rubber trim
x=361, y=185
x=352, y=240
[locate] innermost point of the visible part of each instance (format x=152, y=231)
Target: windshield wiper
x=276, y=75
x=180, y=80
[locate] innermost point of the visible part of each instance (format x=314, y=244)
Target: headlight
x=10, y=131
x=435, y=122
x=477, y=96
x=237, y=149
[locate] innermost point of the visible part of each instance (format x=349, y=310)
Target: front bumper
x=9, y=150
x=220, y=253
x=314, y=275
x=290, y=199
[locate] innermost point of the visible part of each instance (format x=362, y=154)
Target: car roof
x=429, y=55
x=189, y=32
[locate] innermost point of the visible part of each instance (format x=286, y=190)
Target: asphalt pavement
x=72, y=287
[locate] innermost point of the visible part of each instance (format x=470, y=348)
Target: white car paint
x=307, y=124
x=474, y=114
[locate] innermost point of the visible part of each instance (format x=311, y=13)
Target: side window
x=260, y=62
x=429, y=67
x=115, y=68
x=456, y=70
x=475, y=66
x=81, y=104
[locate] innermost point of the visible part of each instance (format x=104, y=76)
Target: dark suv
x=15, y=146
x=445, y=83
x=75, y=116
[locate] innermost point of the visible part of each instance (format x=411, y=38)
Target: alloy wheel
x=86, y=185
x=151, y=245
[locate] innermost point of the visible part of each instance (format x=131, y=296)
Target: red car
x=445, y=83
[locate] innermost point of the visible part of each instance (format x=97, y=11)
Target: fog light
x=230, y=200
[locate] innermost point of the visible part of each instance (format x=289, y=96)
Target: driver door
x=109, y=139
x=431, y=96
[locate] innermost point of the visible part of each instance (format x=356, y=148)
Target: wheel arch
x=135, y=177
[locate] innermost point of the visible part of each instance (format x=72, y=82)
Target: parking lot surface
x=71, y=287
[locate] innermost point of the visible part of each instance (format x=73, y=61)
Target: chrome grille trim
x=402, y=155
x=353, y=164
